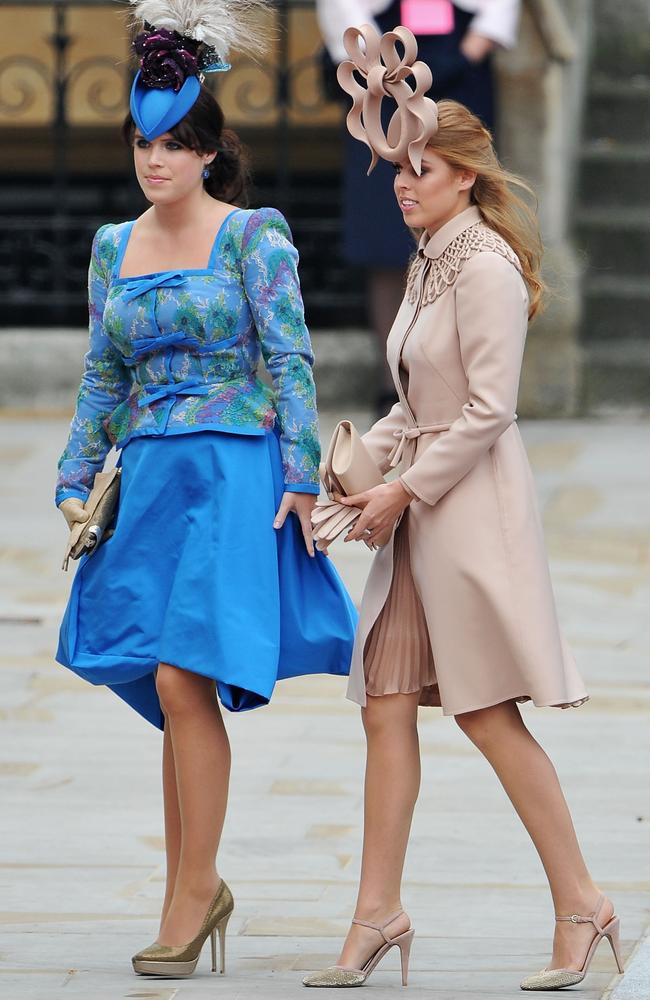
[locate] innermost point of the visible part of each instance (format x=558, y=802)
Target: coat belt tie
x=407, y=437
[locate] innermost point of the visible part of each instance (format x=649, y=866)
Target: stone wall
x=542, y=83
x=622, y=36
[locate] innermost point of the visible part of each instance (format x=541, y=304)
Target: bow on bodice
x=165, y=279
x=145, y=345
x=386, y=73
x=153, y=391
x=141, y=346
x=169, y=391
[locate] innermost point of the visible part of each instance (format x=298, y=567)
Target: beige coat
x=476, y=548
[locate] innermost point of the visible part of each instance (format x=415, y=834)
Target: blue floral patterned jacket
x=178, y=351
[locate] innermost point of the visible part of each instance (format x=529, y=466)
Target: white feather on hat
x=220, y=24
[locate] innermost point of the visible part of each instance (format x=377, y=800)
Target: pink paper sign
x=428, y=17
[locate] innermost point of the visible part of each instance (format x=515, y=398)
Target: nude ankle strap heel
x=613, y=935
x=557, y=979
x=405, y=954
x=337, y=976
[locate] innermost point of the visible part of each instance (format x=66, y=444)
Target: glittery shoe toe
x=335, y=976
x=146, y=952
x=552, y=979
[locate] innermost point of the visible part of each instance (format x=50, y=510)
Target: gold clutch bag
x=101, y=505
x=348, y=469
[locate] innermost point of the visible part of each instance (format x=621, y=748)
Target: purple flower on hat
x=166, y=58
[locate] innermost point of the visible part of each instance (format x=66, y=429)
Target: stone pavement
x=81, y=862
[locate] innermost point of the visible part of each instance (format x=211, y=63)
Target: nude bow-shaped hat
x=387, y=74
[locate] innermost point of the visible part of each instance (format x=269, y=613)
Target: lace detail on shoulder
x=441, y=272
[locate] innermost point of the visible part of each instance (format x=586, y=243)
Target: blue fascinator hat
x=168, y=81
x=156, y=110
x=181, y=40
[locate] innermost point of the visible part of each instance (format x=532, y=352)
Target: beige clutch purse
x=348, y=469
x=101, y=504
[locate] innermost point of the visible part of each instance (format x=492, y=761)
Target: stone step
x=619, y=36
x=615, y=309
x=614, y=174
x=616, y=373
x=616, y=241
x=619, y=109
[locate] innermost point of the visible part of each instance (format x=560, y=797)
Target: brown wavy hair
x=465, y=144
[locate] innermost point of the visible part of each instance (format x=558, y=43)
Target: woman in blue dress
x=210, y=588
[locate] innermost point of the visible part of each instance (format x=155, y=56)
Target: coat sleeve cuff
x=69, y=494
x=301, y=488
x=408, y=489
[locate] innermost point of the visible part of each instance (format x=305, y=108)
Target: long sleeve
x=491, y=313
x=497, y=20
x=380, y=440
x=104, y=384
x=270, y=273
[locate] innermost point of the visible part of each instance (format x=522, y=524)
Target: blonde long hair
x=464, y=143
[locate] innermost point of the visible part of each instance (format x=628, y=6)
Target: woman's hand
x=380, y=508
x=73, y=511
x=301, y=504
x=476, y=47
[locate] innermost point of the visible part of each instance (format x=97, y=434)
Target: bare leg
x=385, y=293
x=391, y=791
x=201, y=753
x=172, y=820
x=532, y=785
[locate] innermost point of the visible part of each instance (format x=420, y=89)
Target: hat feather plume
x=220, y=24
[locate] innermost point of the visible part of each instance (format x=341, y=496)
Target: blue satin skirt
x=196, y=576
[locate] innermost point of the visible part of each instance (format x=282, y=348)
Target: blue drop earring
x=206, y=174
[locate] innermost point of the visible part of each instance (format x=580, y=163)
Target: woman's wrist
x=400, y=492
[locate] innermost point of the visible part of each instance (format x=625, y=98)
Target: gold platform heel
x=558, y=979
x=180, y=962
x=337, y=976
x=221, y=929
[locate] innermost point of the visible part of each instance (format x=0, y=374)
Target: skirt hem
x=520, y=699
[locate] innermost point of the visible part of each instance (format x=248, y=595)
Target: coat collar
x=433, y=246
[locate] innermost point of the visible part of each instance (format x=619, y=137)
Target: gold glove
x=73, y=511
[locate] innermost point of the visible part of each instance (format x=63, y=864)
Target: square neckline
x=124, y=242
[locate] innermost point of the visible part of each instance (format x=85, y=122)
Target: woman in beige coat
x=458, y=611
